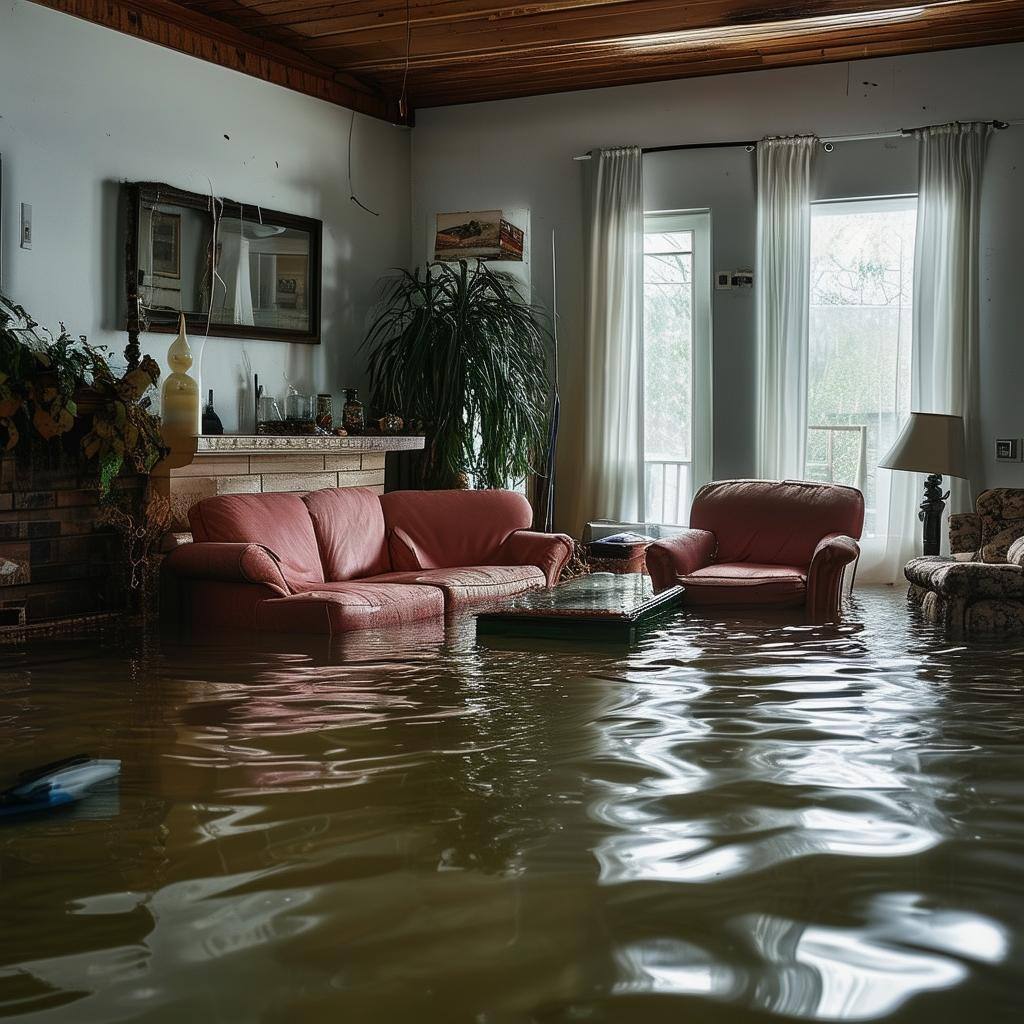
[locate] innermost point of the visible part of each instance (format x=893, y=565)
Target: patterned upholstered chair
x=980, y=589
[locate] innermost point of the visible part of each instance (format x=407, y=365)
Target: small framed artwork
x=1007, y=449
x=167, y=244
x=723, y=280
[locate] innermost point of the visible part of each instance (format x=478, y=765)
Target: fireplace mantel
x=251, y=463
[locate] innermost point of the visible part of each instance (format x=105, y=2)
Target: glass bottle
x=324, y=412
x=211, y=421
x=353, y=416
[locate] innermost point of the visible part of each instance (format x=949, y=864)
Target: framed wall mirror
x=237, y=268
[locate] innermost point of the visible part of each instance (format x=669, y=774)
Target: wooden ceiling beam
x=175, y=27
x=638, y=18
x=615, y=50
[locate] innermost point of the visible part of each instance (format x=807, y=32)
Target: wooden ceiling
x=363, y=54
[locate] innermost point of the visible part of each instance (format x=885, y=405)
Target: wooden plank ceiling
x=370, y=55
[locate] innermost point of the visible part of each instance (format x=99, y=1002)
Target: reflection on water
x=734, y=821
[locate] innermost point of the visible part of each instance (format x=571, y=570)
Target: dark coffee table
x=602, y=605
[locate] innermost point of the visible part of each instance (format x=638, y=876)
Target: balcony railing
x=667, y=486
x=826, y=470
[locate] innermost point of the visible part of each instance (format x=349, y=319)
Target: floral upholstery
x=984, y=594
x=987, y=534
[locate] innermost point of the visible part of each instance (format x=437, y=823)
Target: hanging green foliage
x=459, y=350
x=62, y=390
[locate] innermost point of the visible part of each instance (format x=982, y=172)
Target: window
x=675, y=443
x=861, y=317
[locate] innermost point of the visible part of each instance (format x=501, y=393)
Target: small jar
x=324, y=412
x=353, y=416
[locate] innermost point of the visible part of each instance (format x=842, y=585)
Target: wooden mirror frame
x=135, y=193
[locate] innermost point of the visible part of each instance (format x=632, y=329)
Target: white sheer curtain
x=610, y=474
x=945, y=378
x=944, y=354
x=782, y=283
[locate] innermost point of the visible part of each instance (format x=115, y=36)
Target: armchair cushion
x=229, y=563
x=745, y=583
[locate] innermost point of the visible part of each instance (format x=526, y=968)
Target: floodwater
x=732, y=821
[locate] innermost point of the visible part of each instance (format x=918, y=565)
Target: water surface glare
x=732, y=821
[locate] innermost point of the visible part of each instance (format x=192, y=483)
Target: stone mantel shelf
x=270, y=444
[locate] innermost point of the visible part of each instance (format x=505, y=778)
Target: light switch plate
x=1008, y=449
x=26, y=225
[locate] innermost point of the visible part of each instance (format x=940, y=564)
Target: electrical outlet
x=26, y=225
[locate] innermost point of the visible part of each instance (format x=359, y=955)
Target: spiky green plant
x=460, y=350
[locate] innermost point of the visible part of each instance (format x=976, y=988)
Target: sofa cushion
x=342, y=606
x=775, y=523
x=1001, y=511
x=972, y=581
x=444, y=529
x=279, y=521
x=349, y=527
x=470, y=584
x=745, y=583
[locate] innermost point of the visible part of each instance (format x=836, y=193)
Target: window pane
x=862, y=270
x=668, y=241
x=668, y=346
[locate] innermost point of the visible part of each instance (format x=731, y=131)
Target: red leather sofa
x=335, y=560
x=764, y=542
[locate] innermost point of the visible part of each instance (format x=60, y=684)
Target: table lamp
x=930, y=443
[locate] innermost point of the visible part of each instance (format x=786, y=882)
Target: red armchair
x=764, y=543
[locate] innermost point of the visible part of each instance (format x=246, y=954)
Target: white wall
x=82, y=108
x=518, y=153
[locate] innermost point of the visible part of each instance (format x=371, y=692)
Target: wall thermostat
x=1007, y=449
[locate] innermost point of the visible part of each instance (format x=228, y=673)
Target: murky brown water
x=731, y=822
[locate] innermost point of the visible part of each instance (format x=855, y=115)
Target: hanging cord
x=351, y=190
x=403, y=103
x=216, y=207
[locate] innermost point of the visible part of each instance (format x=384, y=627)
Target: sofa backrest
x=349, y=527
x=776, y=522
x=1001, y=512
x=442, y=529
x=280, y=522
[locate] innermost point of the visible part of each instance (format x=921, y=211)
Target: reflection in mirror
x=251, y=274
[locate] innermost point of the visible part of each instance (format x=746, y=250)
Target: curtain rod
x=827, y=143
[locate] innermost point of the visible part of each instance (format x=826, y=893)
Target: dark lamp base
x=931, y=513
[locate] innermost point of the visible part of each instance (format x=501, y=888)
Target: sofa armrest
x=548, y=551
x=964, y=533
x=681, y=555
x=230, y=563
x=835, y=551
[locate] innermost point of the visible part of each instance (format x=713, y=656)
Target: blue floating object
x=56, y=784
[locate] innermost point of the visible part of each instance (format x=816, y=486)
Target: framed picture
x=1008, y=449
x=167, y=244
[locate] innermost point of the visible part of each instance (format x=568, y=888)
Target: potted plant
x=62, y=391
x=460, y=351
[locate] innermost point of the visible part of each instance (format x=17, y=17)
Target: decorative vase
x=180, y=399
x=353, y=416
x=211, y=421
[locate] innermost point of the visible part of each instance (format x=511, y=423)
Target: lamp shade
x=929, y=443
